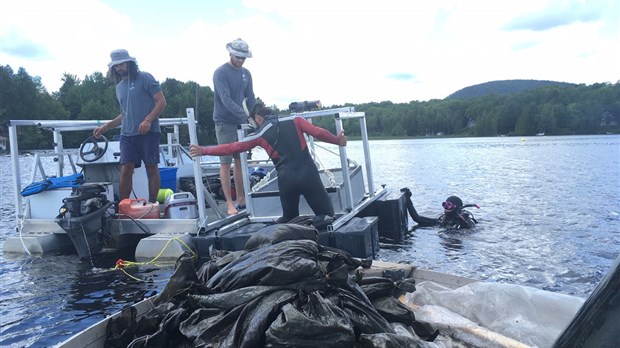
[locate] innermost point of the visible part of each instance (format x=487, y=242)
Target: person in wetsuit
x=286, y=145
x=454, y=216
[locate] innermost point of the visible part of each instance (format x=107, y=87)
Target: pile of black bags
x=283, y=290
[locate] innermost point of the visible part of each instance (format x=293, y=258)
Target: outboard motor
x=83, y=200
x=82, y=217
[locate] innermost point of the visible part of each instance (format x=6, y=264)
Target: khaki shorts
x=226, y=133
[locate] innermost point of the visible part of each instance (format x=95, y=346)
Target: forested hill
x=505, y=87
x=514, y=107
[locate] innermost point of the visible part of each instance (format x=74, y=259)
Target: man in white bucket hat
x=232, y=84
x=142, y=102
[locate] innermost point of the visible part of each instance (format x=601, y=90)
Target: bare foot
x=231, y=210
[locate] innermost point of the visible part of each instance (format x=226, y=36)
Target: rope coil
x=122, y=264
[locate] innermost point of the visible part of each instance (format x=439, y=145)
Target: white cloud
x=336, y=51
x=73, y=36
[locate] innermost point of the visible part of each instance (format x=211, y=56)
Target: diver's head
x=259, y=113
x=452, y=204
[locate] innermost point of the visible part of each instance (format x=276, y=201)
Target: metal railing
x=339, y=114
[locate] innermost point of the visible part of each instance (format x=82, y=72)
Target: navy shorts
x=140, y=148
x=226, y=133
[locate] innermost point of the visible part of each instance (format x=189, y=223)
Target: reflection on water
x=451, y=242
x=54, y=294
x=549, y=214
x=549, y=218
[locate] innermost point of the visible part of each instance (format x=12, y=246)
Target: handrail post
x=59, y=148
x=17, y=187
x=366, y=146
x=200, y=195
x=344, y=164
x=245, y=172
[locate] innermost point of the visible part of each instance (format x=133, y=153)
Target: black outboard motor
x=82, y=217
x=83, y=200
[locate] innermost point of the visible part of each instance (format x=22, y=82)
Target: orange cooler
x=138, y=209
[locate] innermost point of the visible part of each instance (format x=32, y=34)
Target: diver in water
x=454, y=216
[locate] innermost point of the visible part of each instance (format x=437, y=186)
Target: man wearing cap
x=142, y=102
x=232, y=84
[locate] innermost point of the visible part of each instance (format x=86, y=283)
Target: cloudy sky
x=337, y=51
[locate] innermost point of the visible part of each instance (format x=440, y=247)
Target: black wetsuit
x=297, y=174
x=456, y=220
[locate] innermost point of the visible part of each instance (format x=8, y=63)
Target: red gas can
x=138, y=209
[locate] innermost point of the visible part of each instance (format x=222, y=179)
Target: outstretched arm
x=222, y=149
x=321, y=133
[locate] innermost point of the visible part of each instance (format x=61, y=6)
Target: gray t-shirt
x=231, y=86
x=136, y=100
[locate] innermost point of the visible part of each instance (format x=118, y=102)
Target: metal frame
x=339, y=115
x=57, y=127
x=222, y=222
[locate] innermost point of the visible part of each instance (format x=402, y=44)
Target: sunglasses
x=240, y=58
x=447, y=205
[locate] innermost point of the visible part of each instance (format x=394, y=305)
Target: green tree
x=553, y=108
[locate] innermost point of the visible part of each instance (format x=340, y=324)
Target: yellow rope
x=120, y=263
x=132, y=277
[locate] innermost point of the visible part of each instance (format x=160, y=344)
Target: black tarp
x=284, y=290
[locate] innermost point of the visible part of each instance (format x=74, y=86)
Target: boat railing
x=174, y=151
x=339, y=114
x=57, y=127
x=173, y=154
x=58, y=157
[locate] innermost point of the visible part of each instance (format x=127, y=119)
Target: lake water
x=549, y=218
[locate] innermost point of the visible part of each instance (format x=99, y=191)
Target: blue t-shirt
x=136, y=100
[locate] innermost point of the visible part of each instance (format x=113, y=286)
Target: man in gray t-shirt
x=232, y=84
x=142, y=102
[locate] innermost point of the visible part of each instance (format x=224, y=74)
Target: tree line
x=554, y=110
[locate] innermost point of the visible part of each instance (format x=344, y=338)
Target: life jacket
x=73, y=180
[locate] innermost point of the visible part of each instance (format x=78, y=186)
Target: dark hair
x=260, y=109
x=132, y=69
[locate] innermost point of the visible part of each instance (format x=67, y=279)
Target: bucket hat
x=239, y=48
x=120, y=56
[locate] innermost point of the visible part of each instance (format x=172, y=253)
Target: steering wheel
x=95, y=150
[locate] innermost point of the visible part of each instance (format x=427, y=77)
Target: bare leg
x=152, y=172
x=239, y=182
x=125, y=184
x=225, y=181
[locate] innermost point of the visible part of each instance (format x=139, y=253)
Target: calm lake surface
x=549, y=218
